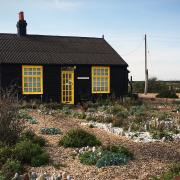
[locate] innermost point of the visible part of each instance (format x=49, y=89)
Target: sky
x=123, y=23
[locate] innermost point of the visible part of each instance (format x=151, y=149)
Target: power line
x=134, y=50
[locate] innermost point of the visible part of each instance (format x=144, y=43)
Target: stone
x=26, y=177
x=15, y=176
x=163, y=139
x=64, y=175
x=93, y=149
x=59, y=177
x=69, y=177
x=41, y=177
x=21, y=177
x=33, y=175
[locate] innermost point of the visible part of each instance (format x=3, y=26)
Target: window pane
x=25, y=80
x=98, y=72
x=102, y=72
x=38, y=79
x=30, y=80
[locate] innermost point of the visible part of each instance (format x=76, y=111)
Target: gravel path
x=150, y=158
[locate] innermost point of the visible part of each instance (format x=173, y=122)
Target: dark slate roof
x=41, y=49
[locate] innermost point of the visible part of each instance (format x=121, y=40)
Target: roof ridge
x=48, y=35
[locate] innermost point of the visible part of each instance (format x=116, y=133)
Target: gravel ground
x=150, y=158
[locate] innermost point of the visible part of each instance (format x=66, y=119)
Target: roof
x=42, y=49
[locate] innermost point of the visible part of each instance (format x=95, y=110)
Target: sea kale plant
x=106, y=156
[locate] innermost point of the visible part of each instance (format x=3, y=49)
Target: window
x=32, y=79
x=100, y=79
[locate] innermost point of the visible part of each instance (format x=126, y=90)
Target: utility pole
x=146, y=69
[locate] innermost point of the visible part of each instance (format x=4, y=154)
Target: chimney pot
x=21, y=16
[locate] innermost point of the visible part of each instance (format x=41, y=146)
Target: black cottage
x=60, y=68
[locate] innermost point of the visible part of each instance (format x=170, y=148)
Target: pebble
x=64, y=175
x=15, y=176
x=144, y=137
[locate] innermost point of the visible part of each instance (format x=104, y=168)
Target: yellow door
x=67, y=87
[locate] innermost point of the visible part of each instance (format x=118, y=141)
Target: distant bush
x=106, y=156
x=30, y=135
x=79, y=138
x=10, y=126
x=167, y=94
x=10, y=168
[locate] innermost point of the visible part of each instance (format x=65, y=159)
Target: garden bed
x=150, y=159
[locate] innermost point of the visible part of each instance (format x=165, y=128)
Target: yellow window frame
x=100, y=77
x=32, y=76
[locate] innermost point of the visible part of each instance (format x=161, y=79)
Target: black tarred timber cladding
x=12, y=75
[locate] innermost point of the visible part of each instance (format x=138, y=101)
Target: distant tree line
x=156, y=86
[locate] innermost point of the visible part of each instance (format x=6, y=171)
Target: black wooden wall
x=0, y=77
x=12, y=77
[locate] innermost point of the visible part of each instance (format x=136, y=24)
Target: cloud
x=64, y=5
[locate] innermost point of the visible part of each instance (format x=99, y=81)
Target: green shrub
x=90, y=117
x=2, y=177
x=10, y=168
x=5, y=153
x=160, y=134
x=117, y=109
x=167, y=94
x=118, y=149
x=79, y=138
x=106, y=156
x=25, y=150
x=171, y=174
x=66, y=110
x=40, y=159
x=30, y=135
x=90, y=158
x=117, y=122
x=137, y=110
x=50, y=131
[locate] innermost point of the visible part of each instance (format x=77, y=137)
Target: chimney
x=21, y=25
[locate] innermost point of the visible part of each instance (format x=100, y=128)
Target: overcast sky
x=123, y=22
